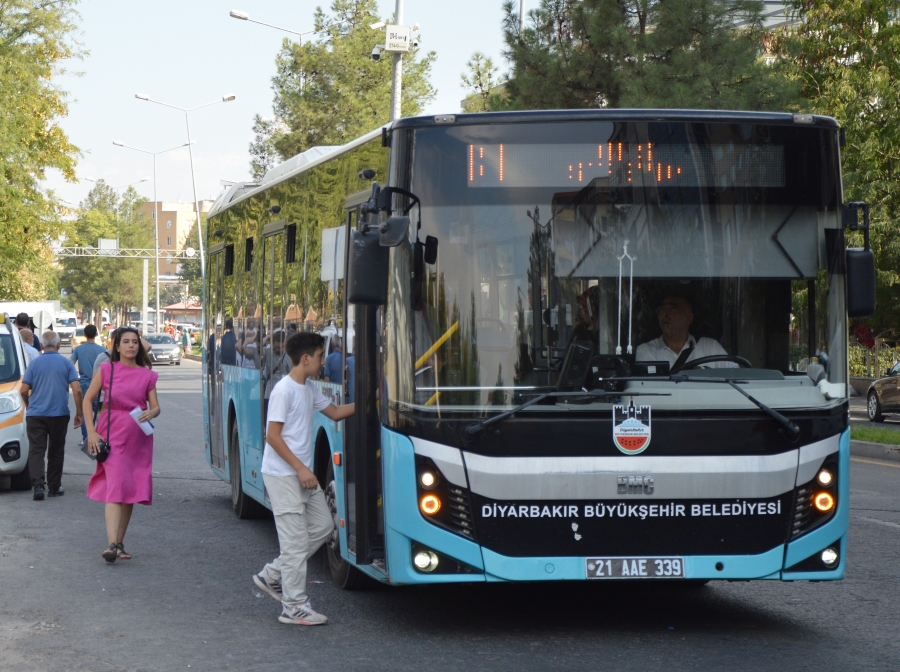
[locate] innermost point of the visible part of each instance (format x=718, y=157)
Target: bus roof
x=317, y=155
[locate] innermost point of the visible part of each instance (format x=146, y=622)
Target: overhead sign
x=396, y=39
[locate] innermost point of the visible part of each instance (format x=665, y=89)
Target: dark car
x=165, y=349
x=884, y=395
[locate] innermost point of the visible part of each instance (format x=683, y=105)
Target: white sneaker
x=273, y=588
x=302, y=615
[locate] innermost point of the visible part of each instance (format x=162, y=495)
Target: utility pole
x=397, y=83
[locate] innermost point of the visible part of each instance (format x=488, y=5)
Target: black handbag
x=103, y=445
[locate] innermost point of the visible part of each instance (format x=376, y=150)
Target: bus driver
x=677, y=345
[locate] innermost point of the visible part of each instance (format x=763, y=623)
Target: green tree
x=330, y=91
x=190, y=269
x=485, y=87
x=94, y=283
x=35, y=38
x=641, y=53
x=845, y=58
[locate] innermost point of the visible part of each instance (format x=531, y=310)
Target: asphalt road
x=186, y=600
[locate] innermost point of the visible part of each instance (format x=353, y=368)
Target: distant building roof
x=184, y=305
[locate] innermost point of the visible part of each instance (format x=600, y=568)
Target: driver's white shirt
x=657, y=351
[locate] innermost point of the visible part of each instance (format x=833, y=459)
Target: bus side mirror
x=860, y=282
x=367, y=281
x=431, y=247
x=394, y=231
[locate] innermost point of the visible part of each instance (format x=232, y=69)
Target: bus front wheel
x=244, y=506
x=345, y=575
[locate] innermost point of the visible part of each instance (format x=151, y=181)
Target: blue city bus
x=500, y=283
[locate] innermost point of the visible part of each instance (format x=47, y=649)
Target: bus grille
x=460, y=520
x=803, y=519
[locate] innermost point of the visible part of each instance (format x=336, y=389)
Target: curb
x=193, y=358
x=878, y=451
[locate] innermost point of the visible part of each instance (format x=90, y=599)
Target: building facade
x=174, y=221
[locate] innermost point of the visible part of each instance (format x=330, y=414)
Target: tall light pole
x=397, y=82
x=146, y=276
x=244, y=16
x=155, y=213
x=227, y=98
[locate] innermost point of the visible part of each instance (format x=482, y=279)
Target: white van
x=13, y=437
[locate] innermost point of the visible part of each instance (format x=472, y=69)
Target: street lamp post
x=146, y=274
x=225, y=99
x=155, y=216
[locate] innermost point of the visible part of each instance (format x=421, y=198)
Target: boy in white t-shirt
x=302, y=517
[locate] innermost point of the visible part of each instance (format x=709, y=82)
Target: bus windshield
x=567, y=251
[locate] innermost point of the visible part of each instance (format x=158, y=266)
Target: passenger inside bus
x=677, y=344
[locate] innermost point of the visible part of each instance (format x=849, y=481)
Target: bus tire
x=245, y=507
x=344, y=575
x=21, y=481
x=873, y=408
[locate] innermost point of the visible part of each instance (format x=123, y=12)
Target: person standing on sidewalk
x=27, y=339
x=302, y=517
x=45, y=391
x=84, y=357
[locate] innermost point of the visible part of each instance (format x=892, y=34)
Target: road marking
x=880, y=464
x=880, y=522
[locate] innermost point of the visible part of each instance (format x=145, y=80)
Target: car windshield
x=9, y=363
x=65, y=321
x=160, y=339
x=564, y=263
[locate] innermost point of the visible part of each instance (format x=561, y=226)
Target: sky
x=191, y=52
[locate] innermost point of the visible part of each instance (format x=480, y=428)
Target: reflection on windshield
x=539, y=289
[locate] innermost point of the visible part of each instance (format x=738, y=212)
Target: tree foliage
x=35, y=38
x=94, y=283
x=330, y=91
x=846, y=58
x=641, y=53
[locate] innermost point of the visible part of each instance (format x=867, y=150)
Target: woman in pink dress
x=125, y=478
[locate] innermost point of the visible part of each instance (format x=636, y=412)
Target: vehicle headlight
x=10, y=402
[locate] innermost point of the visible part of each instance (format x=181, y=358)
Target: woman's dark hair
x=142, y=359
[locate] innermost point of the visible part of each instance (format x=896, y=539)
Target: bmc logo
x=635, y=485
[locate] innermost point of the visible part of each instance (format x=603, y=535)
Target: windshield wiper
x=789, y=426
x=470, y=431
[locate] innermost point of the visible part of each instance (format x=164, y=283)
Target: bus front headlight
x=10, y=402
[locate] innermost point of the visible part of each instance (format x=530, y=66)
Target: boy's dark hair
x=303, y=343
x=22, y=320
x=229, y=324
x=90, y=331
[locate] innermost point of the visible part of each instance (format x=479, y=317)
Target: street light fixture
x=118, y=143
x=244, y=16
x=227, y=98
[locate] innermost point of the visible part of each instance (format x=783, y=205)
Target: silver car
x=165, y=349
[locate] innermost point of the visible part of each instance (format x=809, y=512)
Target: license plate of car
x=635, y=568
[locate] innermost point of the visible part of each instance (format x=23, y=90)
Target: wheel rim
x=873, y=405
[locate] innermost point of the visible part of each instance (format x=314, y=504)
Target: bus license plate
x=635, y=568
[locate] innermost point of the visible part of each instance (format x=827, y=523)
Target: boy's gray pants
x=304, y=523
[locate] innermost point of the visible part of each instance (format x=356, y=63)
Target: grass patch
x=875, y=434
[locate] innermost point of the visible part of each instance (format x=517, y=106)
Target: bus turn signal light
x=430, y=505
x=824, y=502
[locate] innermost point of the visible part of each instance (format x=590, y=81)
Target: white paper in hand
x=146, y=426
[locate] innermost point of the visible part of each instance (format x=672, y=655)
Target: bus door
x=362, y=439
x=275, y=362
x=214, y=326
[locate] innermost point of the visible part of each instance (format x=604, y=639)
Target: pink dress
x=126, y=475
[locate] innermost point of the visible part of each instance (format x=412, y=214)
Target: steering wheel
x=740, y=361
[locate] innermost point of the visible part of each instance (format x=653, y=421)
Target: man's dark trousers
x=46, y=435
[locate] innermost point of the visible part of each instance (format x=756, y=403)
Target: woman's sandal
x=111, y=553
x=121, y=553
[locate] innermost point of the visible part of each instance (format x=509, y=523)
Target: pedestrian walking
x=27, y=339
x=84, y=357
x=185, y=341
x=302, y=517
x=125, y=478
x=45, y=391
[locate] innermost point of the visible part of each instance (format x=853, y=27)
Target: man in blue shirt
x=45, y=391
x=84, y=357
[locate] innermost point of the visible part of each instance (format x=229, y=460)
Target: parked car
x=884, y=395
x=165, y=349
